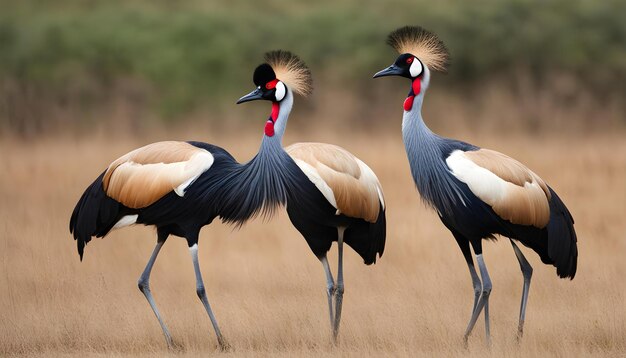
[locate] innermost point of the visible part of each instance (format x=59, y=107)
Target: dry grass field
x=268, y=290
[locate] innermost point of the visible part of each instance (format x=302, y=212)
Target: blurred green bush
x=195, y=52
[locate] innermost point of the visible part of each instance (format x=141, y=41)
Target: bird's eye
x=409, y=60
x=271, y=84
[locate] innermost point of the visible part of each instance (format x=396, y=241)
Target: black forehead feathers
x=401, y=60
x=263, y=74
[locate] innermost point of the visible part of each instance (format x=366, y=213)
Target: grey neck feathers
x=425, y=151
x=262, y=184
x=283, y=115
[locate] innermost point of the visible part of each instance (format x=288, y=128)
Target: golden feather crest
x=291, y=70
x=422, y=44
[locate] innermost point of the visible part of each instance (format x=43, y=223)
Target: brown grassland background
x=83, y=82
x=268, y=290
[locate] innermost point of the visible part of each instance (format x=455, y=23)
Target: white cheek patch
x=281, y=90
x=416, y=68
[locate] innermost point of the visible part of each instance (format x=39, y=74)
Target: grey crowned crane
x=179, y=187
x=477, y=192
x=332, y=195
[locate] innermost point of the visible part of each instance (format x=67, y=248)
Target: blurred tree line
x=174, y=57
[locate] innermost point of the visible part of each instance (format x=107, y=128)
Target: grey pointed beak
x=392, y=70
x=252, y=96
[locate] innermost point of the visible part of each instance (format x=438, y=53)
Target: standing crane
x=477, y=192
x=333, y=196
x=179, y=187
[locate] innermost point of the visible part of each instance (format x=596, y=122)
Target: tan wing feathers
x=145, y=175
x=525, y=206
x=355, y=188
x=506, y=168
x=160, y=152
x=333, y=157
x=525, y=200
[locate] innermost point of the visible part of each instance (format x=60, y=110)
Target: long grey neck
x=419, y=141
x=415, y=133
x=425, y=151
x=262, y=184
x=413, y=126
x=275, y=142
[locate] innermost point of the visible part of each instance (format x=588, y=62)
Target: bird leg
x=193, y=250
x=476, y=283
x=144, y=287
x=330, y=289
x=483, y=301
x=467, y=254
x=527, y=272
x=340, y=287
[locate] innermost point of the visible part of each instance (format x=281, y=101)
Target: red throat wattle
x=269, y=125
x=416, y=86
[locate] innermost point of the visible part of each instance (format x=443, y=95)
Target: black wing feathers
x=94, y=215
x=562, y=240
x=368, y=239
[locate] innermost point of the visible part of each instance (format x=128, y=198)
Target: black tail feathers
x=94, y=215
x=368, y=239
x=562, y=241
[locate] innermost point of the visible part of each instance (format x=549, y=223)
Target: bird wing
x=145, y=175
x=346, y=182
x=513, y=191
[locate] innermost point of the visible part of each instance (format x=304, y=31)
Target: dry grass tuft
x=268, y=290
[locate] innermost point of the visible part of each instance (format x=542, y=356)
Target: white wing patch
x=346, y=182
x=524, y=204
x=125, y=221
x=316, y=179
x=483, y=183
x=198, y=164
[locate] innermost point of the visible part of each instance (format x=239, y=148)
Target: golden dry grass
x=268, y=290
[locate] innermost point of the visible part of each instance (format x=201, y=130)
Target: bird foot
x=175, y=347
x=223, y=345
